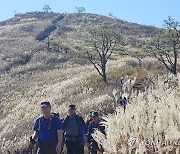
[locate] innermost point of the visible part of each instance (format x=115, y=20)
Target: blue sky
x=147, y=12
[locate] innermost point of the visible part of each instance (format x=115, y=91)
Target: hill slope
x=31, y=74
x=23, y=39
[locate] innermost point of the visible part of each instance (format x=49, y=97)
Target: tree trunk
x=104, y=68
x=175, y=60
x=104, y=76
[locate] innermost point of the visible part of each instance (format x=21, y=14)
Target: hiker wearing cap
x=95, y=124
x=49, y=131
x=74, y=131
x=123, y=80
x=124, y=103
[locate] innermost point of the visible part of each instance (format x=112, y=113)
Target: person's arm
x=83, y=132
x=65, y=122
x=60, y=135
x=60, y=138
x=60, y=131
x=36, y=133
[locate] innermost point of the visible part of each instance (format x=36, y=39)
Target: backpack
x=79, y=121
x=51, y=120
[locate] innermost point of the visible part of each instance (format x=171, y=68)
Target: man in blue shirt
x=74, y=132
x=49, y=131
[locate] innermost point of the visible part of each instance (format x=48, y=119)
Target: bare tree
x=46, y=8
x=80, y=9
x=111, y=15
x=104, y=42
x=167, y=50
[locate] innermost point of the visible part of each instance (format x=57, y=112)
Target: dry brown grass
x=75, y=83
x=23, y=94
x=30, y=74
x=148, y=119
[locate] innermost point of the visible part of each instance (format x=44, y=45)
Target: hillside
x=23, y=39
x=31, y=74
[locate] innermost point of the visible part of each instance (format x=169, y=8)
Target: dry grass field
x=31, y=74
x=150, y=124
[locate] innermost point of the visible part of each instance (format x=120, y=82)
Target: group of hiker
x=52, y=133
x=122, y=100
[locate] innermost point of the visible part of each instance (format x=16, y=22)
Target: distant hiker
x=125, y=102
x=65, y=51
x=146, y=90
x=95, y=124
x=123, y=81
x=74, y=131
x=130, y=82
x=120, y=101
x=49, y=131
x=139, y=62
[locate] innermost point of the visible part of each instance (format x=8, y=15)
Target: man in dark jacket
x=95, y=124
x=74, y=131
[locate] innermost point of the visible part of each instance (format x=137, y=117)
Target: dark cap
x=71, y=106
x=95, y=114
x=45, y=104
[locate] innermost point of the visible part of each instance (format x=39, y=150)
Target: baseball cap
x=45, y=104
x=95, y=114
x=71, y=106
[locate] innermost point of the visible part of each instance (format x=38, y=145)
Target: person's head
x=95, y=117
x=71, y=109
x=46, y=108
